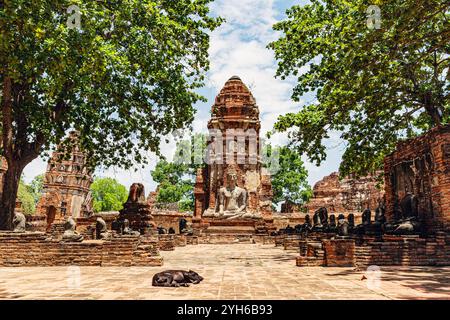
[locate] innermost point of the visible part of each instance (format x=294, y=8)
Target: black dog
x=176, y=278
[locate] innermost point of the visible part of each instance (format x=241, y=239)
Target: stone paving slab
x=234, y=271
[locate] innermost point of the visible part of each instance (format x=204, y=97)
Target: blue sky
x=238, y=47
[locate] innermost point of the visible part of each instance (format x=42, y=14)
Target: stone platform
x=237, y=271
x=384, y=251
x=38, y=249
x=234, y=226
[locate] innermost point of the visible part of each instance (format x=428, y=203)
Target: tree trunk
x=11, y=181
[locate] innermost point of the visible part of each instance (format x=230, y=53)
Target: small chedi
x=66, y=186
x=233, y=190
x=136, y=212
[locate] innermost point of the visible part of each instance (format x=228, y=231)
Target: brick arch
x=51, y=199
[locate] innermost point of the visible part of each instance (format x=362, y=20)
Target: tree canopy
x=374, y=86
x=26, y=198
x=108, y=194
x=36, y=187
x=289, y=181
x=123, y=78
x=176, y=179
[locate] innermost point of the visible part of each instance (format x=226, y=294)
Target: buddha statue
x=232, y=199
x=332, y=224
x=343, y=225
x=19, y=222
x=126, y=230
x=101, y=231
x=70, y=235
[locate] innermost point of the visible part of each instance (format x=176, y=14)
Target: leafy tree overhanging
x=373, y=86
x=123, y=80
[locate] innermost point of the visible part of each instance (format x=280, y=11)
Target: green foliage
x=176, y=179
x=26, y=198
x=125, y=79
x=108, y=194
x=373, y=86
x=289, y=182
x=36, y=187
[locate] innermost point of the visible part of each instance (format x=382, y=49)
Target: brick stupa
x=66, y=186
x=233, y=154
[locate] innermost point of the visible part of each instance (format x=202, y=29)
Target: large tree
x=124, y=78
x=175, y=184
x=26, y=198
x=290, y=180
x=108, y=194
x=374, y=86
x=36, y=187
x=176, y=179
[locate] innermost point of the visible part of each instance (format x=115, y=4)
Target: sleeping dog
x=176, y=278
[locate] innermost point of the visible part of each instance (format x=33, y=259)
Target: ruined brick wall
x=348, y=195
x=406, y=251
x=281, y=221
x=168, y=219
x=36, y=222
x=388, y=251
x=421, y=166
x=37, y=249
x=339, y=252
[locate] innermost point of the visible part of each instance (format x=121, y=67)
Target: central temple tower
x=233, y=186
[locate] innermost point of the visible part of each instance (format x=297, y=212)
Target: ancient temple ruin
x=417, y=180
x=347, y=195
x=233, y=192
x=66, y=186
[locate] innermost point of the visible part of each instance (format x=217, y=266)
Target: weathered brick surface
x=422, y=166
x=66, y=186
x=408, y=251
x=192, y=240
x=39, y=249
x=387, y=251
x=279, y=240
x=269, y=240
x=180, y=240
x=166, y=242
x=36, y=222
x=339, y=252
x=312, y=254
x=291, y=243
x=347, y=195
x=234, y=108
x=169, y=219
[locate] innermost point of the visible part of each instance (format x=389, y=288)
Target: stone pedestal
x=339, y=252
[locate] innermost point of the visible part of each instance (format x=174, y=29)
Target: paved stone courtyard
x=237, y=271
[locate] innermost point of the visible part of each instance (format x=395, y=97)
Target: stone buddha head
x=232, y=180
